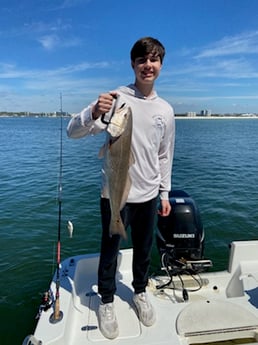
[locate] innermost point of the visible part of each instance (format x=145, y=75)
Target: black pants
x=140, y=217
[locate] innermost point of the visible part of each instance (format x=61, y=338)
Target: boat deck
x=225, y=308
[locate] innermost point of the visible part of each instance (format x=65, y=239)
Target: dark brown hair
x=147, y=45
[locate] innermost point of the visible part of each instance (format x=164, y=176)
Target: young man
x=152, y=147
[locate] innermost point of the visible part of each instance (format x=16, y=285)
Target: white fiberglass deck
x=225, y=308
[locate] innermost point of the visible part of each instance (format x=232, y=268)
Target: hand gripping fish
x=117, y=160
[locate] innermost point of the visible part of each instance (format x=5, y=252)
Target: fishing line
x=58, y=315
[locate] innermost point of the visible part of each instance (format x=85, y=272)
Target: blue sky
x=81, y=48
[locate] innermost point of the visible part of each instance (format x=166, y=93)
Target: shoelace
x=109, y=312
x=143, y=299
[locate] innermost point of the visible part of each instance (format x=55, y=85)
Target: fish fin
x=105, y=147
x=102, y=151
x=128, y=184
x=126, y=192
x=131, y=159
x=117, y=227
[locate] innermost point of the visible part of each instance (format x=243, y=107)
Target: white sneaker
x=144, y=308
x=107, y=320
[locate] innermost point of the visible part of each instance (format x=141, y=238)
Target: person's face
x=147, y=68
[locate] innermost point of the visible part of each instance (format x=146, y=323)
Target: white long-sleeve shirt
x=152, y=146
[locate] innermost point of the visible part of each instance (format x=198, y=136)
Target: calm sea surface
x=216, y=162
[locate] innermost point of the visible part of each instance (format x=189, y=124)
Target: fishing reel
x=46, y=303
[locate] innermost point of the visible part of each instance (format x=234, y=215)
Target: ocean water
x=216, y=162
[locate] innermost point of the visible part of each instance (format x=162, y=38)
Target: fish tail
x=117, y=227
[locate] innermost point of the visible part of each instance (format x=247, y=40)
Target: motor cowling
x=181, y=234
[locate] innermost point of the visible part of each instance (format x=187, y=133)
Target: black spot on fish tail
x=116, y=227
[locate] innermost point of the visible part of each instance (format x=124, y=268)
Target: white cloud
x=244, y=43
x=11, y=71
x=53, y=41
x=73, y=3
x=49, y=42
x=232, y=57
x=241, y=67
x=51, y=35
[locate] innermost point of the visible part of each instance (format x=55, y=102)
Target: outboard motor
x=182, y=231
x=181, y=235
x=180, y=241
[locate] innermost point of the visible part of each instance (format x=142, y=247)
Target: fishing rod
x=58, y=314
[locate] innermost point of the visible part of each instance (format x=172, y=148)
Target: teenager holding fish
x=148, y=132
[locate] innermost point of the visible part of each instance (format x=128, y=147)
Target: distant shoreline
x=180, y=117
x=35, y=116
x=214, y=117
